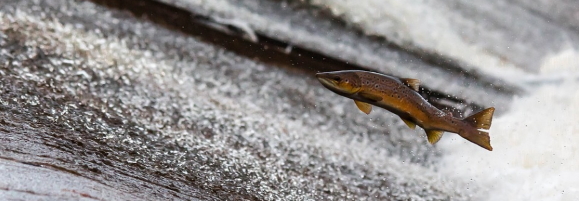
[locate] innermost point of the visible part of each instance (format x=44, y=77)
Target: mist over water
x=536, y=143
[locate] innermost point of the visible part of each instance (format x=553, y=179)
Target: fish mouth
x=326, y=81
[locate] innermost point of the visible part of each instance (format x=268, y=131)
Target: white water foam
x=536, y=144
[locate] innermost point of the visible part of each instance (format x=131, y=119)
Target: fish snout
x=325, y=79
x=326, y=82
x=322, y=75
x=342, y=83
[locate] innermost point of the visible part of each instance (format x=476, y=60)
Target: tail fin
x=480, y=138
x=480, y=120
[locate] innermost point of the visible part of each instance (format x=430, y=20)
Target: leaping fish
x=400, y=96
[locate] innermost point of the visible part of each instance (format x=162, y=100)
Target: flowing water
x=535, y=143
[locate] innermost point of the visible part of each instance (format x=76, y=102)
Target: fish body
x=400, y=96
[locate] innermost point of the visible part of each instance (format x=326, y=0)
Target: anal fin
x=409, y=123
x=364, y=107
x=434, y=135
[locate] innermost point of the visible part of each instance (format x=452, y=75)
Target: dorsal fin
x=364, y=107
x=412, y=83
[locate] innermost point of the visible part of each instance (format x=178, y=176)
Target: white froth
x=565, y=61
x=536, y=144
x=426, y=24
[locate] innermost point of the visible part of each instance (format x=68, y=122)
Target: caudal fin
x=480, y=120
x=480, y=138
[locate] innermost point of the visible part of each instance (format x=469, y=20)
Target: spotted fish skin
x=400, y=96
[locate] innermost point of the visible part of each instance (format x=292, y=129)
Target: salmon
x=400, y=96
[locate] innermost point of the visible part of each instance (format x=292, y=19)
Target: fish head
x=341, y=82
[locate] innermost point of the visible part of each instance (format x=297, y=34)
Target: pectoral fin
x=369, y=96
x=409, y=123
x=412, y=83
x=364, y=107
x=434, y=136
